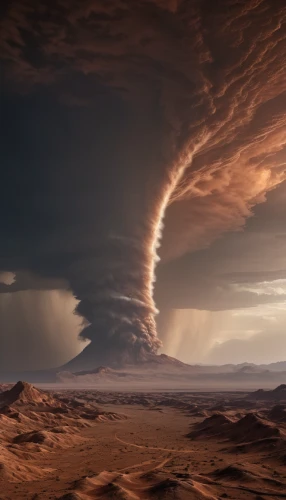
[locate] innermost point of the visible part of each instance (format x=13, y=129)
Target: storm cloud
x=159, y=113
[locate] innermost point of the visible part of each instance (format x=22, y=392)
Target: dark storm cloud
x=26, y=280
x=38, y=329
x=188, y=113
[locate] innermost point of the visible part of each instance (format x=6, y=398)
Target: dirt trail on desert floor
x=170, y=450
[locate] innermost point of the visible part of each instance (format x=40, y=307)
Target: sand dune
x=139, y=485
x=277, y=413
x=216, y=425
x=252, y=428
x=233, y=473
x=57, y=437
x=249, y=479
x=14, y=470
x=247, y=429
x=277, y=394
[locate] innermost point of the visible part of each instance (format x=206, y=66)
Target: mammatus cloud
x=206, y=88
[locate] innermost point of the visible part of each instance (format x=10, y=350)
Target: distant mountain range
x=280, y=366
x=160, y=371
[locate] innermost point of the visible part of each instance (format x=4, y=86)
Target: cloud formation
x=260, y=348
x=7, y=278
x=38, y=329
x=202, y=142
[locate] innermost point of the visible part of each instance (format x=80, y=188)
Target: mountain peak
x=25, y=393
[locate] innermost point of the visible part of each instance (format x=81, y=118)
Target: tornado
x=204, y=89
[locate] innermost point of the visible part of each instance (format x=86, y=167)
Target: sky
x=143, y=153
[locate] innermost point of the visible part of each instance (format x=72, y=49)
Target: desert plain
x=81, y=444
